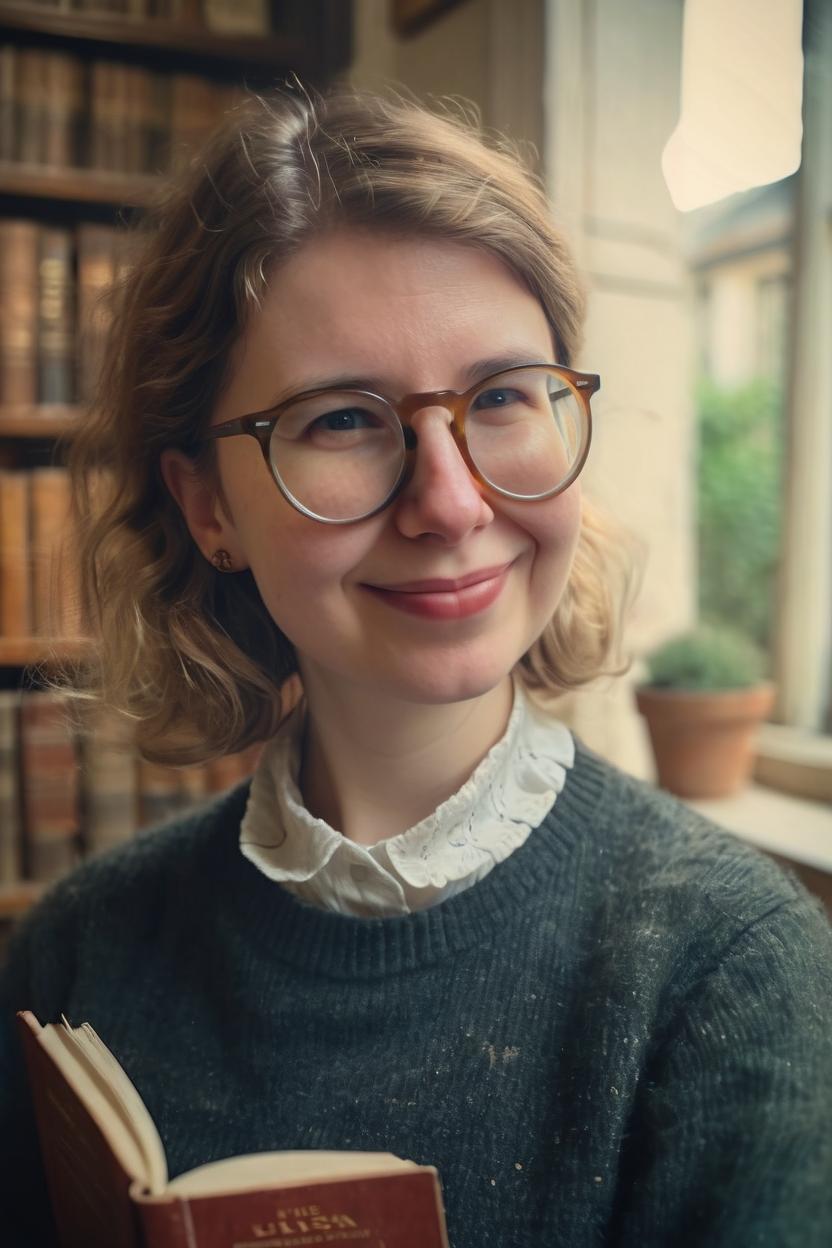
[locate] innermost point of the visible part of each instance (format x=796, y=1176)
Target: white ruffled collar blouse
x=509, y=793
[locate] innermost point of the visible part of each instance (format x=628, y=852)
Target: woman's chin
x=437, y=685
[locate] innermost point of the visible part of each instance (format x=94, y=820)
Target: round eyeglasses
x=340, y=456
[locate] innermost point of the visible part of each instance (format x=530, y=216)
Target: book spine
x=135, y=155
x=56, y=316
x=11, y=856
x=18, y=311
x=31, y=86
x=50, y=788
x=109, y=782
x=94, y=154
x=96, y=269
x=158, y=121
x=15, y=555
x=54, y=596
x=106, y=118
x=63, y=103
x=119, y=115
x=77, y=104
x=193, y=115
x=8, y=101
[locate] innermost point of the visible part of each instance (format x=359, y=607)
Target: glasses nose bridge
x=411, y=404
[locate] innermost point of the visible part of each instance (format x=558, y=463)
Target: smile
x=445, y=599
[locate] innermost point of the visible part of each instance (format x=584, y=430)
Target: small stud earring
x=222, y=561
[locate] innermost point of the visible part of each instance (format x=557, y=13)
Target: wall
x=487, y=52
x=612, y=100
x=450, y=57
x=804, y=669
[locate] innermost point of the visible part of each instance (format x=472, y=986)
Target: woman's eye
x=502, y=397
x=344, y=420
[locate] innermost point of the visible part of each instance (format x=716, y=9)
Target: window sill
x=794, y=761
x=795, y=831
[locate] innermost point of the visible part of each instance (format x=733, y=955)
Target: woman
x=344, y=437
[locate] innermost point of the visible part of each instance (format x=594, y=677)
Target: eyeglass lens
x=340, y=454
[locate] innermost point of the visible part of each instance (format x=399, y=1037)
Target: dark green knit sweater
x=622, y=1036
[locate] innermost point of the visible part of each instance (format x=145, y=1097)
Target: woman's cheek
x=553, y=524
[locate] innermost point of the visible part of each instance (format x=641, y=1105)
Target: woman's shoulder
x=671, y=902
x=138, y=872
x=654, y=854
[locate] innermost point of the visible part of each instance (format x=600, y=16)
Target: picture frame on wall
x=411, y=16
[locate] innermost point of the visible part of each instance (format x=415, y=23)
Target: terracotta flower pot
x=703, y=742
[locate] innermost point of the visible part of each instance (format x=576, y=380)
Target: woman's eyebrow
x=470, y=375
x=499, y=363
x=325, y=383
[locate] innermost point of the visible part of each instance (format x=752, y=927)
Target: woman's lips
x=442, y=599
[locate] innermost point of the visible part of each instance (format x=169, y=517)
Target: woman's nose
x=441, y=498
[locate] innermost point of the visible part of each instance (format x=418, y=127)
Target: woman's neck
x=372, y=768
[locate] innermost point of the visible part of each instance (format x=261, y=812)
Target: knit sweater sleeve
x=730, y=1143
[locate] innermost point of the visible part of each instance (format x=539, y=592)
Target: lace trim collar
x=509, y=793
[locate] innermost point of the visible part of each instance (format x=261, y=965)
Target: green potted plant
x=705, y=696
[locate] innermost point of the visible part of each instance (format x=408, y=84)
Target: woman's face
x=397, y=316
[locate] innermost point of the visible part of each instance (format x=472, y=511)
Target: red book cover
x=88, y=1128
x=386, y=1211
x=88, y=1186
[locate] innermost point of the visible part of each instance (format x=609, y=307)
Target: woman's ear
x=201, y=504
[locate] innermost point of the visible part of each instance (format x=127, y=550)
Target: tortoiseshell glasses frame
x=261, y=425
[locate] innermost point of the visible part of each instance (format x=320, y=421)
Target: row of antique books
x=59, y=111
x=145, y=9
x=241, y=17
x=65, y=795
x=53, y=310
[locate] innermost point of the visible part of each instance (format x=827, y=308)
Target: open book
x=108, y=1181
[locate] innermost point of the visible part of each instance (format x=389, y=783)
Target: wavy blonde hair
x=189, y=655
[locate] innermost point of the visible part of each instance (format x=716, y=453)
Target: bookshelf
x=310, y=37
x=95, y=107
x=70, y=186
x=29, y=421
x=176, y=39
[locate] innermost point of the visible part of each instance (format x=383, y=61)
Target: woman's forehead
x=354, y=302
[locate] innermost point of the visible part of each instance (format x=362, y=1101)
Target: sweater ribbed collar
x=346, y=947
